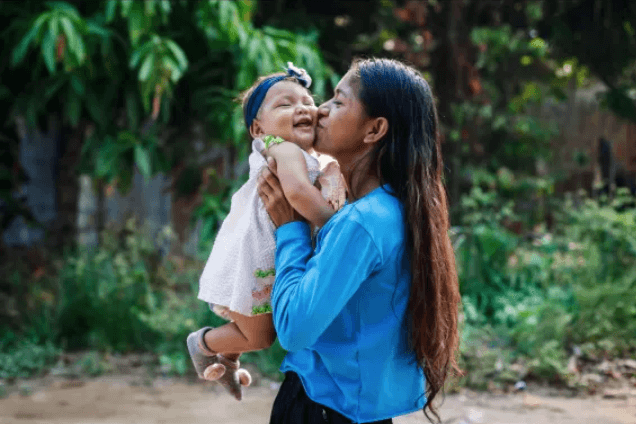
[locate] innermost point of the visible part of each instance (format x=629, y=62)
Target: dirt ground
x=128, y=399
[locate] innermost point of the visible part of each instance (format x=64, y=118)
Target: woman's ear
x=376, y=129
x=256, y=130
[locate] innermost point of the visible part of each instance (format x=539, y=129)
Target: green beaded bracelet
x=270, y=139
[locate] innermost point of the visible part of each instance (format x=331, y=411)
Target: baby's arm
x=292, y=173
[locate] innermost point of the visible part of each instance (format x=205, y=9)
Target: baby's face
x=288, y=111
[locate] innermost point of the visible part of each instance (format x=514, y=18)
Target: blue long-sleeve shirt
x=341, y=310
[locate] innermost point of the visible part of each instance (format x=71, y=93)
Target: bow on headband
x=259, y=93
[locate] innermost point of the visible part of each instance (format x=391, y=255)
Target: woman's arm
x=310, y=291
x=298, y=189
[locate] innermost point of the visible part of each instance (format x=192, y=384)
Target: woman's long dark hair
x=409, y=159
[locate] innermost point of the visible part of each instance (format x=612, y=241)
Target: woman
x=369, y=317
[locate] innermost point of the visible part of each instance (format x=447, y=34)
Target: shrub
x=539, y=295
x=22, y=356
x=121, y=297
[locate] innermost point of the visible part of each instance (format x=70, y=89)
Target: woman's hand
x=271, y=193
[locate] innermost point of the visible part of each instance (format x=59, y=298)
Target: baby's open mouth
x=304, y=123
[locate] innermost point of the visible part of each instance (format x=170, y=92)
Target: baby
x=280, y=115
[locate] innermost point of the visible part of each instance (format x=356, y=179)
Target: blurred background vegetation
x=546, y=254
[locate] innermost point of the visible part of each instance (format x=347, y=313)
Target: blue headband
x=258, y=95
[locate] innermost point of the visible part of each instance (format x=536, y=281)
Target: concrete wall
x=39, y=157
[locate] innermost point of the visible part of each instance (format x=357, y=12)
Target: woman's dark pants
x=292, y=406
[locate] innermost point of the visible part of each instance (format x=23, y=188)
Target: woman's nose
x=323, y=111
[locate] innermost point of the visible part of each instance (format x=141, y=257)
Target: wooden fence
x=582, y=122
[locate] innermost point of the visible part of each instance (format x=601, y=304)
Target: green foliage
x=52, y=31
x=605, y=279
x=21, y=356
x=258, y=51
x=141, y=16
x=588, y=41
x=98, y=295
x=175, y=363
x=93, y=364
x=101, y=299
x=113, y=159
x=161, y=62
x=121, y=297
x=536, y=298
x=114, y=68
x=510, y=133
x=118, y=298
x=213, y=210
x=500, y=43
x=497, y=194
x=549, y=361
x=527, y=301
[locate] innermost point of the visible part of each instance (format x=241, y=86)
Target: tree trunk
x=446, y=69
x=67, y=187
